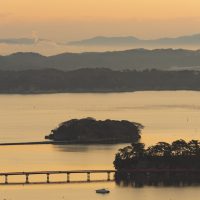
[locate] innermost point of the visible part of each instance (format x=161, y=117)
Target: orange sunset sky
x=76, y=19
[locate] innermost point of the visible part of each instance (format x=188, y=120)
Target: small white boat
x=102, y=191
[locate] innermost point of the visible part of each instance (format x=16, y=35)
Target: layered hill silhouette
x=139, y=59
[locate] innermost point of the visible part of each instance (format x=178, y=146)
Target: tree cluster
x=177, y=155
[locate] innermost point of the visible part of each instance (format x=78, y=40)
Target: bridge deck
x=56, y=172
x=48, y=173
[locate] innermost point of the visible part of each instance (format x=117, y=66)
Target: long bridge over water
x=88, y=174
x=49, y=173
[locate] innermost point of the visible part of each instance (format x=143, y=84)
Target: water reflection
x=158, y=179
x=86, y=148
x=71, y=148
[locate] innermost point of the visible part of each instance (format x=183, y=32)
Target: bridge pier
x=68, y=177
x=88, y=176
x=108, y=179
x=6, y=179
x=27, y=178
x=48, y=181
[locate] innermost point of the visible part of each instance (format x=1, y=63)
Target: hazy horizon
x=48, y=47
x=74, y=19
x=67, y=20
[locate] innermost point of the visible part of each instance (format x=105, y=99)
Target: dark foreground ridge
x=89, y=130
x=162, y=164
x=96, y=80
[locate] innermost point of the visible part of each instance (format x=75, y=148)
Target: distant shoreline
x=96, y=92
x=99, y=80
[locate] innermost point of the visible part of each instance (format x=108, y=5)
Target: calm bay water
x=165, y=115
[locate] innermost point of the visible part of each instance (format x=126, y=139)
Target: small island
x=91, y=131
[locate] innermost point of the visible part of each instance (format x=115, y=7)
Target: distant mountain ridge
x=102, y=40
x=131, y=40
x=116, y=40
x=139, y=59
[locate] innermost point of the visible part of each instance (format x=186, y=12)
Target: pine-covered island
x=91, y=131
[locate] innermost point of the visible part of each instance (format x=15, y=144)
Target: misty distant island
x=89, y=131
